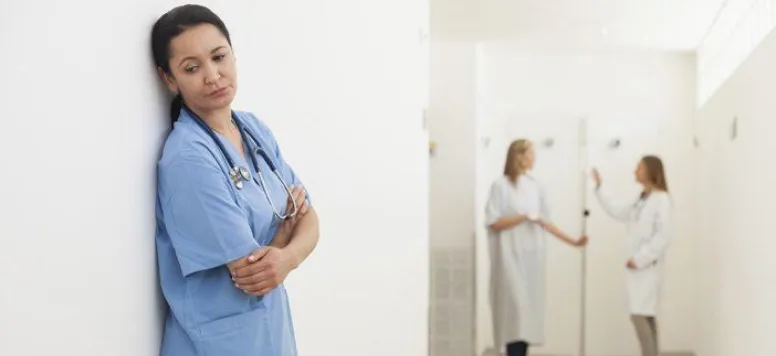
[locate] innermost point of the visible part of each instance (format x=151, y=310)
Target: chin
x=220, y=103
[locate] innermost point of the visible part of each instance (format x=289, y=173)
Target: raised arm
x=620, y=211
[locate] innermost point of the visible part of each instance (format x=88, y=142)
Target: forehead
x=196, y=41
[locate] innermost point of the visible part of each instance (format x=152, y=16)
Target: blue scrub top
x=203, y=223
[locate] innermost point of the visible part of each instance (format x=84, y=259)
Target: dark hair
x=172, y=24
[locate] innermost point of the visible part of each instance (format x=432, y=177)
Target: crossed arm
x=267, y=267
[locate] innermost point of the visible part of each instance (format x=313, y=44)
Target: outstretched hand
x=596, y=177
x=581, y=241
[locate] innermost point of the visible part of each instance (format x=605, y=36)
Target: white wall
x=627, y=91
x=735, y=223
x=340, y=82
x=452, y=110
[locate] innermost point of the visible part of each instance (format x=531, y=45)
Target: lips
x=218, y=92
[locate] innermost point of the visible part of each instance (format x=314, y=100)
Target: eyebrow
x=192, y=57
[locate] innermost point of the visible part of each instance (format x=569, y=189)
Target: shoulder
x=256, y=125
x=498, y=183
x=186, y=142
x=530, y=180
x=662, y=199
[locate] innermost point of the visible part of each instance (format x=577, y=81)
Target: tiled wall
x=452, y=302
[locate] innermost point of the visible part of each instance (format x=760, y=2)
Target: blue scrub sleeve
x=206, y=226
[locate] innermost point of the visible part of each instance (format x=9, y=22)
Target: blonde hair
x=513, y=167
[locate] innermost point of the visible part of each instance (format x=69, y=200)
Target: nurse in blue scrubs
x=232, y=218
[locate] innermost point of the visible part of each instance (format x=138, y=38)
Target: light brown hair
x=655, y=172
x=513, y=168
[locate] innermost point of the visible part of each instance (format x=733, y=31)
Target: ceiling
x=647, y=24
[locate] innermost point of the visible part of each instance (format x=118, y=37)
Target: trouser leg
x=655, y=334
x=646, y=330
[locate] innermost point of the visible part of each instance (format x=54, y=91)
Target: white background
x=342, y=84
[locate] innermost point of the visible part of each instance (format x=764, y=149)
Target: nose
x=211, y=75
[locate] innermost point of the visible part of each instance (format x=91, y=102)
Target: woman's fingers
x=596, y=176
x=298, y=195
x=251, y=279
x=303, y=207
x=256, y=287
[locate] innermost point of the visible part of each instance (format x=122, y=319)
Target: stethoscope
x=239, y=174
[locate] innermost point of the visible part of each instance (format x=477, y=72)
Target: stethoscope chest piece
x=240, y=175
x=245, y=174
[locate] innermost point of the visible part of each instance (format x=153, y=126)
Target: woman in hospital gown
x=517, y=217
x=650, y=229
x=222, y=253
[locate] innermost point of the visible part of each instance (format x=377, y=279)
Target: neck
x=219, y=120
x=649, y=189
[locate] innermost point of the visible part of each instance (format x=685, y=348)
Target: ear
x=169, y=80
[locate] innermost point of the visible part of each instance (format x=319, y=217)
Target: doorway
x=566, y=147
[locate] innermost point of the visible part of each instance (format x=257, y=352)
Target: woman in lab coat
x=650, y=229
x=517, y=217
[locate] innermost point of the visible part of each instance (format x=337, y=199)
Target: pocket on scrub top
x=241, y=334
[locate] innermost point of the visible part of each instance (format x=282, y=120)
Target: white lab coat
x=517, y=258
x=650, y=229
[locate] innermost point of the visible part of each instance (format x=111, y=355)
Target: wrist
x=292, y=257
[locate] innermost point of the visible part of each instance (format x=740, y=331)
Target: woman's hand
x=262, y=271
x=596, y=177
x=581, y=241
x=268, y=267
x=631, y=265
x=286, y=228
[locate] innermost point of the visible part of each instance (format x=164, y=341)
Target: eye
x=191, y=69
x=219, y=57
